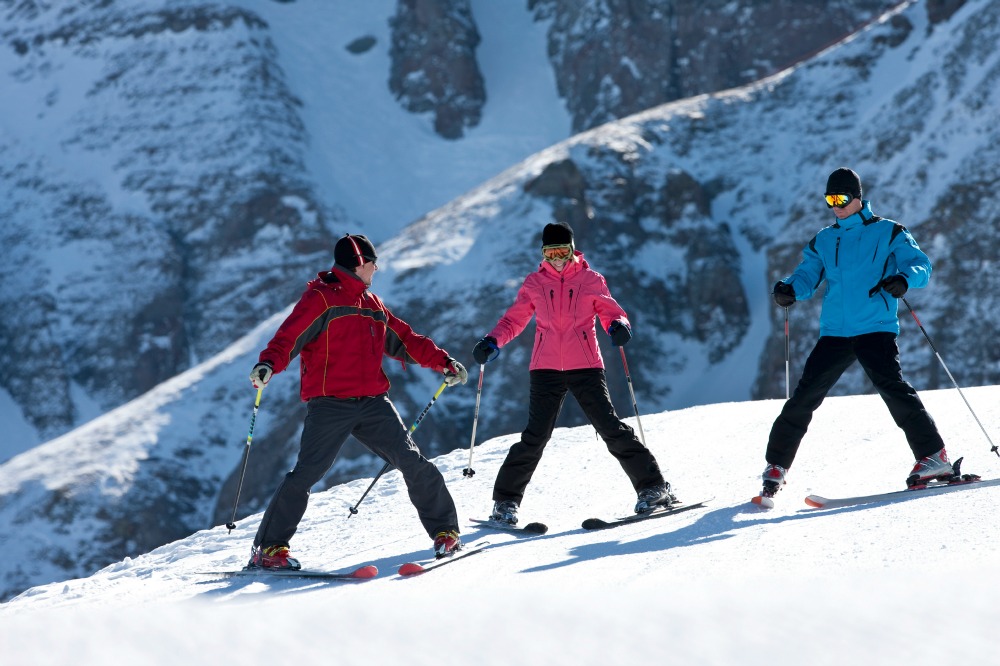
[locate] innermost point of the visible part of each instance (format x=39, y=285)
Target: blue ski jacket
x=853, y=256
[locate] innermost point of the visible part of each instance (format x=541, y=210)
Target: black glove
x=896, y=285
x=485, y=350
x=783, y=294
x=261, y=375
x=620, y=333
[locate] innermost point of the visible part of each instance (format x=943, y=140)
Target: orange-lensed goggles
x=838, y=200
x=556, y=252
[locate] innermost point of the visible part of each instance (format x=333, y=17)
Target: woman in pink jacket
x=565, y=296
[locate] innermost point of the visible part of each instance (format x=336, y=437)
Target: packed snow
x=908, y=580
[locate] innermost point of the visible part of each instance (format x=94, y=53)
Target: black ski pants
x=548, y=392
x=879, y=357
x=375, y=422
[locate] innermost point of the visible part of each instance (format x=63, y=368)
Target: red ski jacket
x=342, y=331
x=565, y=305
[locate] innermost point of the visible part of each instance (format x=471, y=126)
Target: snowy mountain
x=726, y=584
x=694, y=209
x=691, y=210
x=192, y=162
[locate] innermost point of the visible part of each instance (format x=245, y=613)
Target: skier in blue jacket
x=867, y=262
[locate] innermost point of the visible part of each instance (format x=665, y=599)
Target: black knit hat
x=844, y=181
x=557, y=234
x=353, y=251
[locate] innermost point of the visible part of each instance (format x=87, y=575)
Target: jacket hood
x=346, y=279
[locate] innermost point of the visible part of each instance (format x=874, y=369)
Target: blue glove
x=485, y=350
x=620, y=333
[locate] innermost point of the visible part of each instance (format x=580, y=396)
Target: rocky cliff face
x=618, y=57
x=434, y=68
x=207, y=214
x=615, y=58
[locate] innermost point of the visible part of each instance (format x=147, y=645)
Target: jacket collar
x=569, y=269
x=862, y=216
x=345, y=278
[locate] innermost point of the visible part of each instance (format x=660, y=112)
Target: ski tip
x=536, y=528
x=763, y=502
x=594, y=524
x=816, y=502
x=369, y=571
x=410, y=568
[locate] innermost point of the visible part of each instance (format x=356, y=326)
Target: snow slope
x=905, y=581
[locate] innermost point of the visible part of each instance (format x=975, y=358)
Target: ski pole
x=231, y=525
x=787, y=373
x=468, y=471
x=952, y=378
x=628, y=377
x=385, y=467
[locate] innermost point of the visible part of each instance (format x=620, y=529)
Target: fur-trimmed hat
x=353, y=251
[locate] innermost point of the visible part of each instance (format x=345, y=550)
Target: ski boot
x=505, y=512
x=447, y=542
x=774, y=480
x=654, y=496
x=935, y=467
x=272, y=557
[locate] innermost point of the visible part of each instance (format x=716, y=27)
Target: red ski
x=414, y=568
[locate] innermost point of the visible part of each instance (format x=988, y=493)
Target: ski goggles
x=557, y=252
x=838, y=200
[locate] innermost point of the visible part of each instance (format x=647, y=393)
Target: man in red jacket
x=565, y=296
x=341, y=330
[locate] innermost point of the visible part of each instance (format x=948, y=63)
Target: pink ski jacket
x=565, y=305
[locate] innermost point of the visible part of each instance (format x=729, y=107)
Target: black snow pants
x=375, y=422
x=879, y=357
x=548, y=392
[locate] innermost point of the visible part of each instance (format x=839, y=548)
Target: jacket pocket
x=538, y=347
x=588, y=346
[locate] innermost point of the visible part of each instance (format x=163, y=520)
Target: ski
x=366, y=572
x=659, y=512
x=967, y=481
x=763, y=502
x=530, y=528
x=414, y=568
